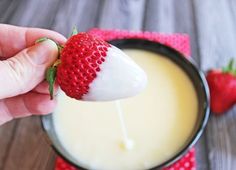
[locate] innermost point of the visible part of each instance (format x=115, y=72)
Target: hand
x=23, y=91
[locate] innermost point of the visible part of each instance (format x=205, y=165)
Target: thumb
x=21, y=73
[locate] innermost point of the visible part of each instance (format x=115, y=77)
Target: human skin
x=23, y=89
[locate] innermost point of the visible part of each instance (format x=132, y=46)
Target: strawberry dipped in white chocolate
x=119, y=77
x=91, y=69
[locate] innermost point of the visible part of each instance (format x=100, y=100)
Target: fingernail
x=43, y=53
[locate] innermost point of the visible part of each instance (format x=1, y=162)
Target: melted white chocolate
x=158, y=121
x=127, y=142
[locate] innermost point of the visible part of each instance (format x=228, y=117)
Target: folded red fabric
x=179, y=42
x=187, y=162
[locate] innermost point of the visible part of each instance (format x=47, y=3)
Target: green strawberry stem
x=230, y=68
x=56, y=63
x=51, y=77
x=41, y=40
x=74, y=31
x=52, y=70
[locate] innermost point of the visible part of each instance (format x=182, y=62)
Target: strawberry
x=222, y=85
x=81, y=59
x=91, y=69
x=61, y=164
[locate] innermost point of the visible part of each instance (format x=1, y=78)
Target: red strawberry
x=91, y=69
x=222, y=84
x=61, y=164
x=80, y=61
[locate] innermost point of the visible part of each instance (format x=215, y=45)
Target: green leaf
x=225, y=69
x=74, y=31
x=50, y=77
x=41, y=40
x=60, y=47
x=231, y=65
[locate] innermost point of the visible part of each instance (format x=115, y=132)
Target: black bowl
x=196, y=76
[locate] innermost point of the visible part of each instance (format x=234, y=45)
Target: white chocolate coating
x=120, y=77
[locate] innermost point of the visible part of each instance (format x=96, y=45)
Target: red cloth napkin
x=178, y=41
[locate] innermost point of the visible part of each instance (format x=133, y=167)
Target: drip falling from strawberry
x=91, y=69
x=222, y=85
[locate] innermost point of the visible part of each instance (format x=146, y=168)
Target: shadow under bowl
x=196, y=76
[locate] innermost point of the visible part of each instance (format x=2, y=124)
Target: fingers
x=14, y=39
x=5, y=116
x=33, y=103
x=29, y=104
x=21, y=73
x=44, y=88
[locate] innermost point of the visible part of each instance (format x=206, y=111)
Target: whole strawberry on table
x=222, y=85
x=88, y=68
x=61, y=164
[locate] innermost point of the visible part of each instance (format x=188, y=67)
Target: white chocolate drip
x=128, y=143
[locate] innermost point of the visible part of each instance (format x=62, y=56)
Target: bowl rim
x=135, y=43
